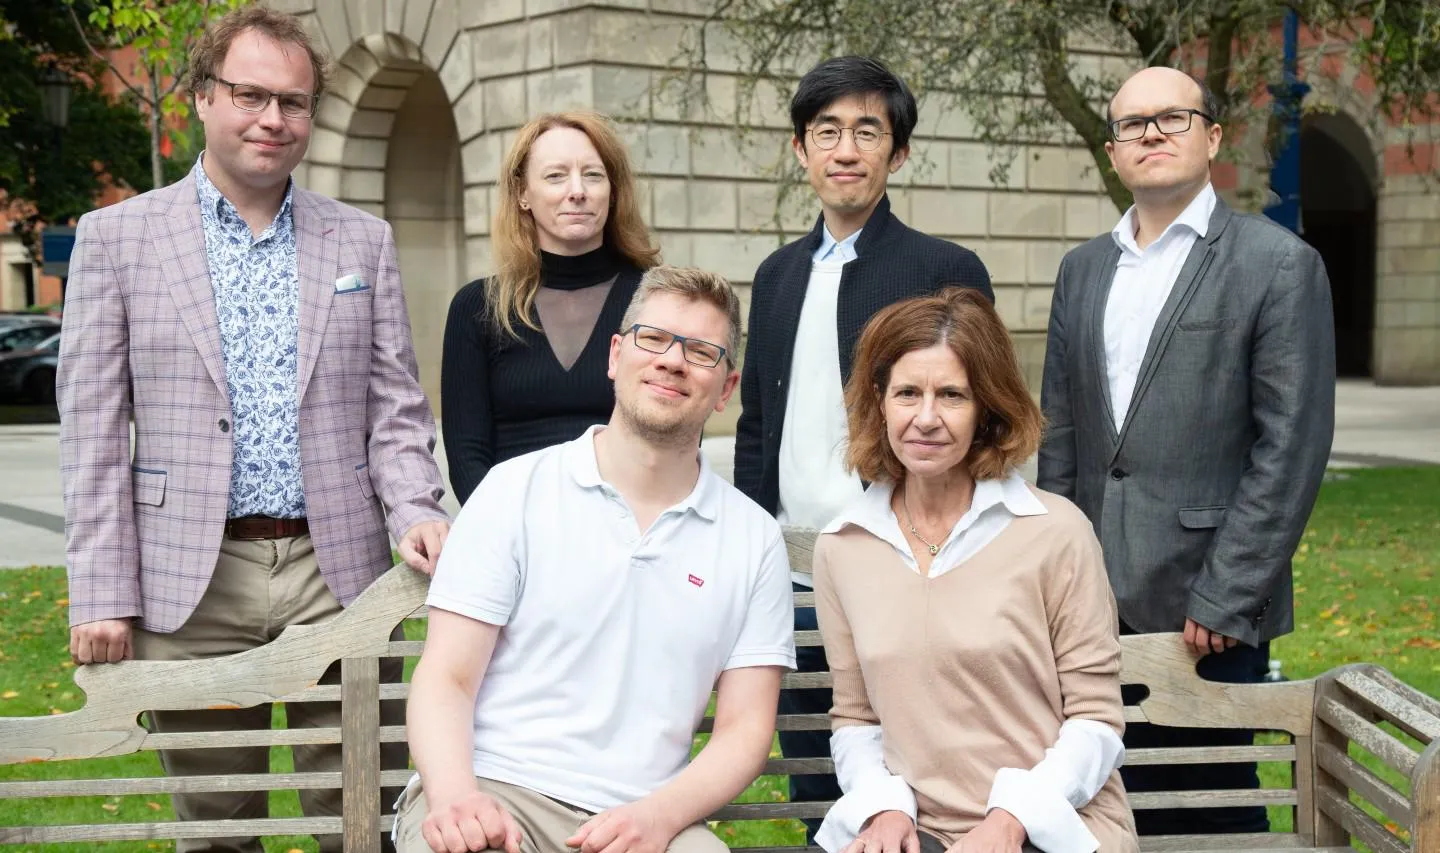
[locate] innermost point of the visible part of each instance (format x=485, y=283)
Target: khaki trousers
x=545, y=823
x=259, y=588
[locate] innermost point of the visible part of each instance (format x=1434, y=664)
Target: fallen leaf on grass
x=153, y=806
x=1342, y=632
x=9, y=694
x=110, y=807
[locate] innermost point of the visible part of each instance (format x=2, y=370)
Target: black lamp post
x=55, y=97
x=55, y=111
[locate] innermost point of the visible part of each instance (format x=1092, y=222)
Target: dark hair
x=962, y=319
x=841, y=76
x=1209, y=103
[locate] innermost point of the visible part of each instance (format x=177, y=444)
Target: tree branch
x=1066, y=98
x=1223, y=26
x=1145, y=27
x=105, y=60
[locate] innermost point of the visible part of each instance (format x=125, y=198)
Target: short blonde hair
x=209, y=53
x=708, y=287
x=1010, y=423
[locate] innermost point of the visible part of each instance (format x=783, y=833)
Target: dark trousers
x=808, y=744
x=1238, y=665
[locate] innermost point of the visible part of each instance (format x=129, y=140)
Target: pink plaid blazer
x=143, y=525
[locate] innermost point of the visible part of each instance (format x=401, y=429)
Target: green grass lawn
x=1365, y=591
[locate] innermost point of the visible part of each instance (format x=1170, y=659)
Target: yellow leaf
x=153, y=806
x=110, y=807
x=294, y=850
x=9, y=694
x=1342, y=632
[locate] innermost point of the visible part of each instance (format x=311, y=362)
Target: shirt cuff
x=1045, y=798
x=847, y=817
x=1051, y=823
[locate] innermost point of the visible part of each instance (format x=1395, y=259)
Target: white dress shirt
x=814, y=485
x=1044, y=798
x=1143, y=281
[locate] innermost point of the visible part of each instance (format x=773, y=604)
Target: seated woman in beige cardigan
x=967, y=616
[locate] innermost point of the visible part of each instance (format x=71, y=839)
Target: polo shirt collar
x=704, y=500
x=873, y=514
x=1195, y=216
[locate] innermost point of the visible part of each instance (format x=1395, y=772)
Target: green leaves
x=1041, y=71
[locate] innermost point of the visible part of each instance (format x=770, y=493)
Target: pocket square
x=350, y=284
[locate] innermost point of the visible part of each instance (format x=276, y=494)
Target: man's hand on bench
x=476, y=821
x=105, y=641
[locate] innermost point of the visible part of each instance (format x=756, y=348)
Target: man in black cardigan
x=852, y=119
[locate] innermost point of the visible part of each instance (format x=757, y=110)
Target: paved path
x=1374, y=426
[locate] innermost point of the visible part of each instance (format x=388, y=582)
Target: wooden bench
x=1335, y=726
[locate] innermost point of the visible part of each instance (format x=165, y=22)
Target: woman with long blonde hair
x=526, y=349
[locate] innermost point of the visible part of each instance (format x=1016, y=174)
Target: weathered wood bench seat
x=1336, y=725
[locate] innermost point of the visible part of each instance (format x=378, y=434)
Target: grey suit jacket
x=1202, y=496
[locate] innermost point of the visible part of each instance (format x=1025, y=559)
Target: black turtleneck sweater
x=501, y=397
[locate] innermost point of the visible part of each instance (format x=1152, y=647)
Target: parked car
x=25, y=331
x=28, y=375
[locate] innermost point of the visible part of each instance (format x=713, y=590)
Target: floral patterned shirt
x=257, y=301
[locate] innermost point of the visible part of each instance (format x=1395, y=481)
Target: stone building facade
x=428, y=94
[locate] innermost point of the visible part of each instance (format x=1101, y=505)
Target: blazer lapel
x=1104, y=279
x=317, y=246
x=178, y=240
x=1193, y=271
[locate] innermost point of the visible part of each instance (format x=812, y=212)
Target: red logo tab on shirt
x=697, y=581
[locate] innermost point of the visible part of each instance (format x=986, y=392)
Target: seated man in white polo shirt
x=589, y=598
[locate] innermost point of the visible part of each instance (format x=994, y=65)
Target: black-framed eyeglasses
x=255, y=99
x=828, y=136
x=1170, y=122
x=657, y=340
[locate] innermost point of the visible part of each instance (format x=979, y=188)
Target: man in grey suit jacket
x=1190, y=388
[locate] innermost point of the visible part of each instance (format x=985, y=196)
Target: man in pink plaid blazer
x=256, y=334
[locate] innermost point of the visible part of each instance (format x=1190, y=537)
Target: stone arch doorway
x=424, y=204
x=390, y=138
x=1338, y=180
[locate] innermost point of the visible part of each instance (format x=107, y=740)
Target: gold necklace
x=905, y=502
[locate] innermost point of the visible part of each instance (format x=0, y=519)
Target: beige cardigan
x=977, y=669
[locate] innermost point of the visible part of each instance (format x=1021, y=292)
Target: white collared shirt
x=836, y=250
x=993, y=506
x=814, y=484
x=1143, y=281
x=1044, y=798
x=612, y=637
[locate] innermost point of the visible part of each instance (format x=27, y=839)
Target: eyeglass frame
x=838, y=139
x=269, y=96
x=674, y=339
x=1155, y=120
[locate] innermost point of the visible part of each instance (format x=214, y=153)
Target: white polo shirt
x=612, y=637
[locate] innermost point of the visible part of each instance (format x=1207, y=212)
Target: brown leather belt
x=265, y=527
